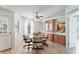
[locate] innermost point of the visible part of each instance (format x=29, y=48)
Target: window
x=46, y=26
x=28, y=27
x=3, y=25
x=3, y=28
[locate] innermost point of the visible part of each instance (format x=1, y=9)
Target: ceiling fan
x=38, y=17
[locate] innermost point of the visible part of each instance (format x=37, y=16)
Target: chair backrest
x=24, y=37
x=37, y=41
x=27, y=39
x=37, y=38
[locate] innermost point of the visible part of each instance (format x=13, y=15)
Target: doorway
x=5, y=33
x=74, y=31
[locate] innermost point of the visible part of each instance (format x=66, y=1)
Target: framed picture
x=60, y=26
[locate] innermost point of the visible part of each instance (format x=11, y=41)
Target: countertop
x=56, y=33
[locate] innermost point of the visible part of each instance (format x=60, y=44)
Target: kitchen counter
x=60, y=33
x=56, y=33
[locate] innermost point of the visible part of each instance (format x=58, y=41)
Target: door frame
x=71, y=15
x=9, y=18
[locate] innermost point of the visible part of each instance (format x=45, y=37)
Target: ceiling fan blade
x=38, y=16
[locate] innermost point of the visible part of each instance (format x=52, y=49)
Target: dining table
x=38, y=42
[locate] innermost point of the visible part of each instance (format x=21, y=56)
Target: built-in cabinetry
x=51, y=26
x=59, y=39
x=51, y=37
x=56, y=31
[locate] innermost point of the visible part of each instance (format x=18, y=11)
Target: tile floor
x=52, y=48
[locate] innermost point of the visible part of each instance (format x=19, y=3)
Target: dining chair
x=37, y=43
x=28, y=41
x=44, y=38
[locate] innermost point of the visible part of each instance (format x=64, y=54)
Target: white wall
x=16, y=35
x=10, y=15
x=7, y=13
x=18, y=32
x=39, y=26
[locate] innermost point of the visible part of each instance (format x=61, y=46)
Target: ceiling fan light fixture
x=38, y=18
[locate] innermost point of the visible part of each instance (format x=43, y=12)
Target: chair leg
x=45, y=44
x=25, y=46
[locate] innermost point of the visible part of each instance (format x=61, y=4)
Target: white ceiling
x=29, y=10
